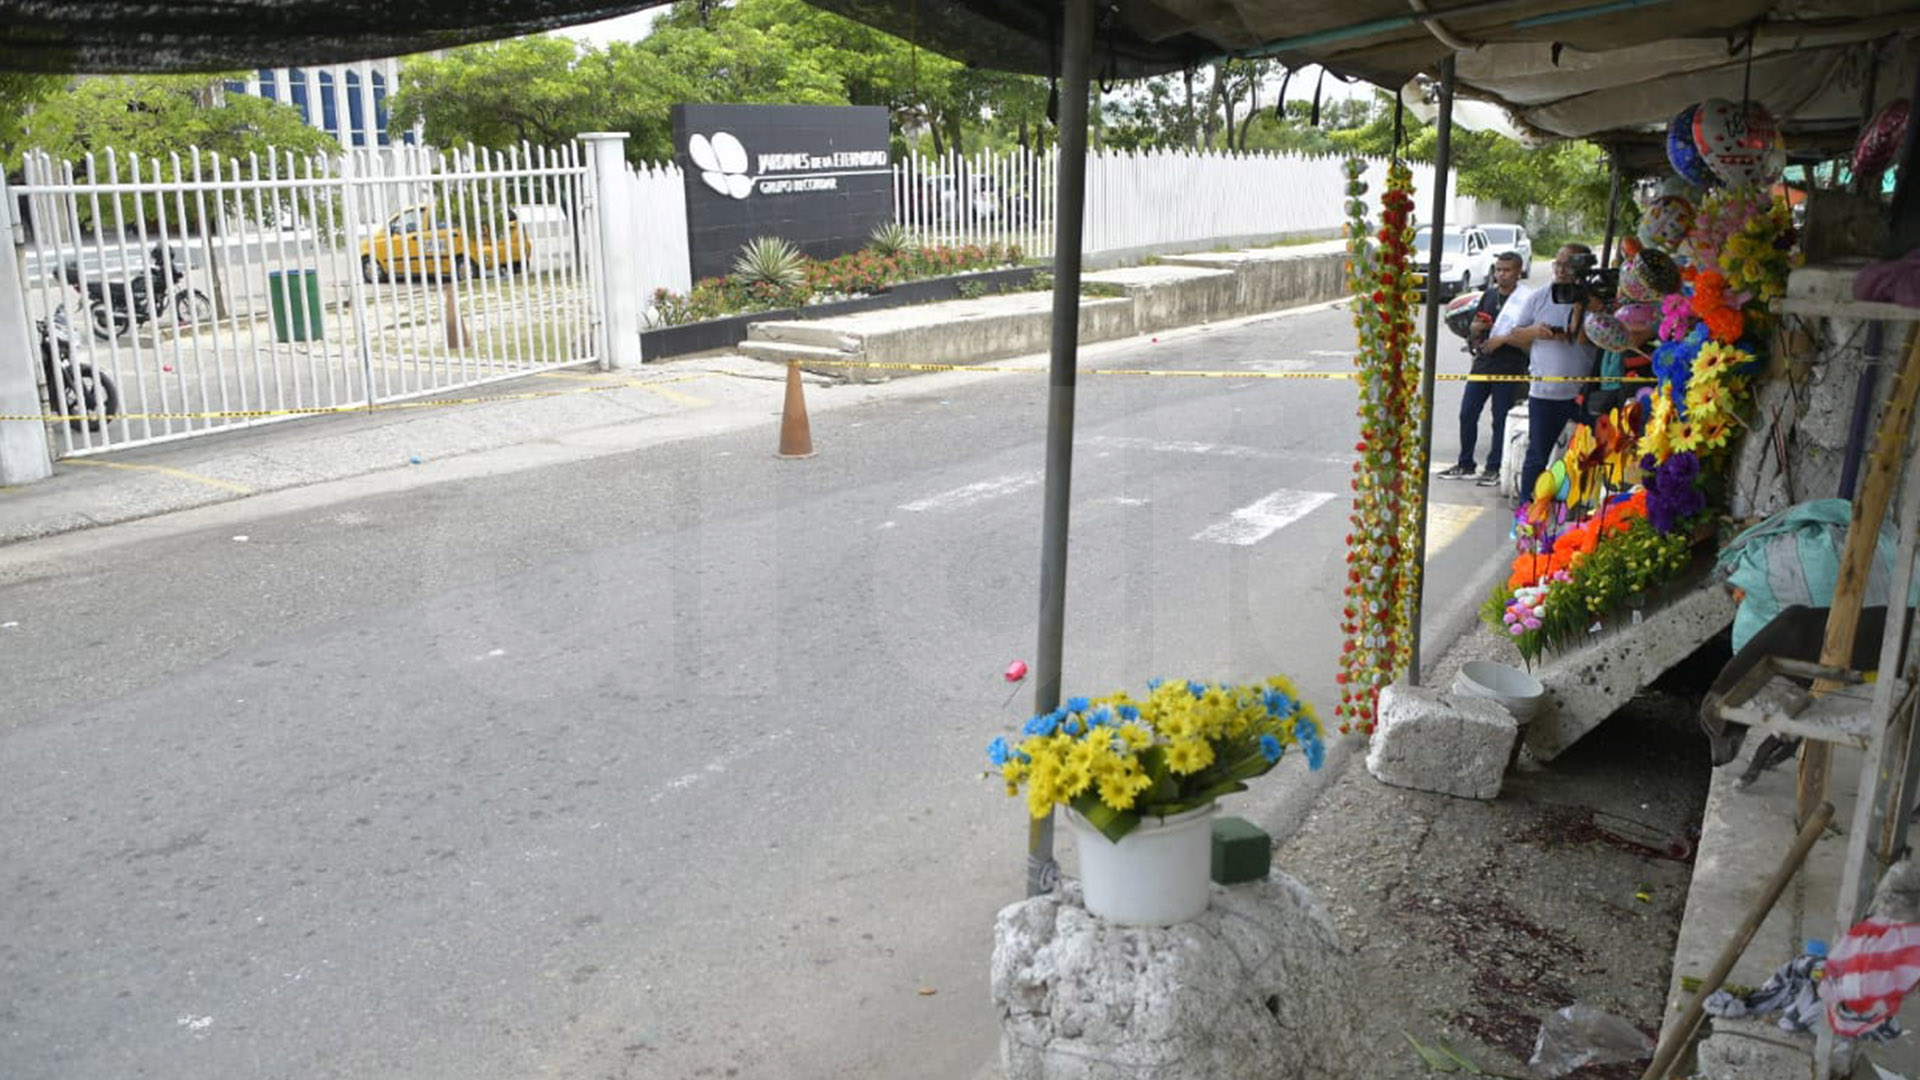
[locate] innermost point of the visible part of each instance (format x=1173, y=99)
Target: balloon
x=1606, y=331
x=1681, y=152
x=1665, y=223
x=1881, y=138
x=1640, y=315
x=1660, y=273
x=1741, y=146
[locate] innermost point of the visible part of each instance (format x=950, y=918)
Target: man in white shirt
x=1554, y=350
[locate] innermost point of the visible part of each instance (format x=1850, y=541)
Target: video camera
x=1589, y=280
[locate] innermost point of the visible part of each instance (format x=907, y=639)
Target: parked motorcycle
x=83, y=394
x=118, y=306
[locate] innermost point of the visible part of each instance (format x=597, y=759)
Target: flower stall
x=1623, y=511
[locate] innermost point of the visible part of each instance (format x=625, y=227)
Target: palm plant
x=890, y=239
x=770, y=261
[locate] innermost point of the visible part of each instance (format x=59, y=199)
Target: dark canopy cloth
x=1610, y=70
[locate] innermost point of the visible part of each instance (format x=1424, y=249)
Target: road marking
x=973, y=493
x=1187, y=446
x=1447, y=522
x=1254, y=523
x=181, y=473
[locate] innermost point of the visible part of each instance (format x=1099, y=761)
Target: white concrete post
x=24, y=457
x=619, y=272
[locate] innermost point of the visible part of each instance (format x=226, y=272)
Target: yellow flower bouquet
x=1116, y=759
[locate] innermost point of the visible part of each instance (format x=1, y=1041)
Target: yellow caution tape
x=868, y=365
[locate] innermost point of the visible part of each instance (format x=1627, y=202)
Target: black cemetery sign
x=815, y=175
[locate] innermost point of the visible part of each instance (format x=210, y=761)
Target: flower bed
x=861, y=273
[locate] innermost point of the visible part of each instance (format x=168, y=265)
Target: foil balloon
x=1682, y=154
x=1881, y=138
x=1664, y=224
x=1606, y=331
x=1659, y=272
x=1741, y=145
x=1639, y=315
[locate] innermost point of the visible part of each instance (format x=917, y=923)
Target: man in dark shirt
x=1503, y=359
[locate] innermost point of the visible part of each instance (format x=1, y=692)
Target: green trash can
x=295, y=295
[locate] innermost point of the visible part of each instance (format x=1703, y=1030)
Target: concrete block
x=1587, y=683
x=1433, y=741
x=1168, y=296
x=1257, y=986
x=1754, y=1050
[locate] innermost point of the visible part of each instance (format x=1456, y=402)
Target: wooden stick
x=1856, y=563
x=1682, y=1033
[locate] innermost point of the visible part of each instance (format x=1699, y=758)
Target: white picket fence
x=1135, y=202
x=216, y=293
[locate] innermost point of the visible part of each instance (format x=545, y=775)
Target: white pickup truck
x=1466, y=259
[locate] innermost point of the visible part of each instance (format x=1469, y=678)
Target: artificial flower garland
x=1381, y=575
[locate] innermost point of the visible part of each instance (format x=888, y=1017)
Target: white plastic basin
x=1520, y=692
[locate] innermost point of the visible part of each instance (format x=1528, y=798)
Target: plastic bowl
x=1518, y=691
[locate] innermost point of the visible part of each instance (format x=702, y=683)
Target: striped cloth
x=1868, y=974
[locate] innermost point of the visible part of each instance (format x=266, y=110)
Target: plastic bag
x=1583, y=1035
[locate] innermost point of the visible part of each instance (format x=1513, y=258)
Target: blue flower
x=1077, y=704
x=1270, y=748
x=1129, y=713
x=1197, y=689
x=1316, y=753
x=1102, y=717
x=1277, y=703
x=1073, y=726
x=1042, y=725
x=998, y=751
x=1305, y=730
x=1154, y=684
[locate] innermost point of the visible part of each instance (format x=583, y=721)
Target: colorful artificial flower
x=1117, y=759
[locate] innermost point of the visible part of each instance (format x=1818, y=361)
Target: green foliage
x=540, y=90
x=971, y=290
x=20, y=91
x=890, y=240
x=770, y=261
x=155, y=116
x=1101, y=289
x=860, y=272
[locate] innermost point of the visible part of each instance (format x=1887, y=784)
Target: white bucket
x=1157, y=875
x=1520, y=692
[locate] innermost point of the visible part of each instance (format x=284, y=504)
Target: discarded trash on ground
x=1580, y=1035
x=1792, y=991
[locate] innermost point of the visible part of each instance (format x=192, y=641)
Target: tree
x=500, y=94
x=20, y=91
x=156, y=116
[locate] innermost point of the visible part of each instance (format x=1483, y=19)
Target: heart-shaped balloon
x=1681, y=152
x=1741, y=145
x=1881, y=138
x=1606, y=331
x=1664, y=224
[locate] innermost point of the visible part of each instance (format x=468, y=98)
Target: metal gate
x=198, y=294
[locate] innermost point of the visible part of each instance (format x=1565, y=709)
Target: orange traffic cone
x=796, y=439
x=456, y=334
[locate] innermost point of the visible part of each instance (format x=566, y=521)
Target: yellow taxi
x=427, y=240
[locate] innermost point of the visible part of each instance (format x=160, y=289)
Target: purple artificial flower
x=1672, y=494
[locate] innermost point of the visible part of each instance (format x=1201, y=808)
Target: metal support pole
x=1070, y=196
x=1613, y=204
x=1443, y=154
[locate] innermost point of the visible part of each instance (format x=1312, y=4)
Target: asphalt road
x=665, y=764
